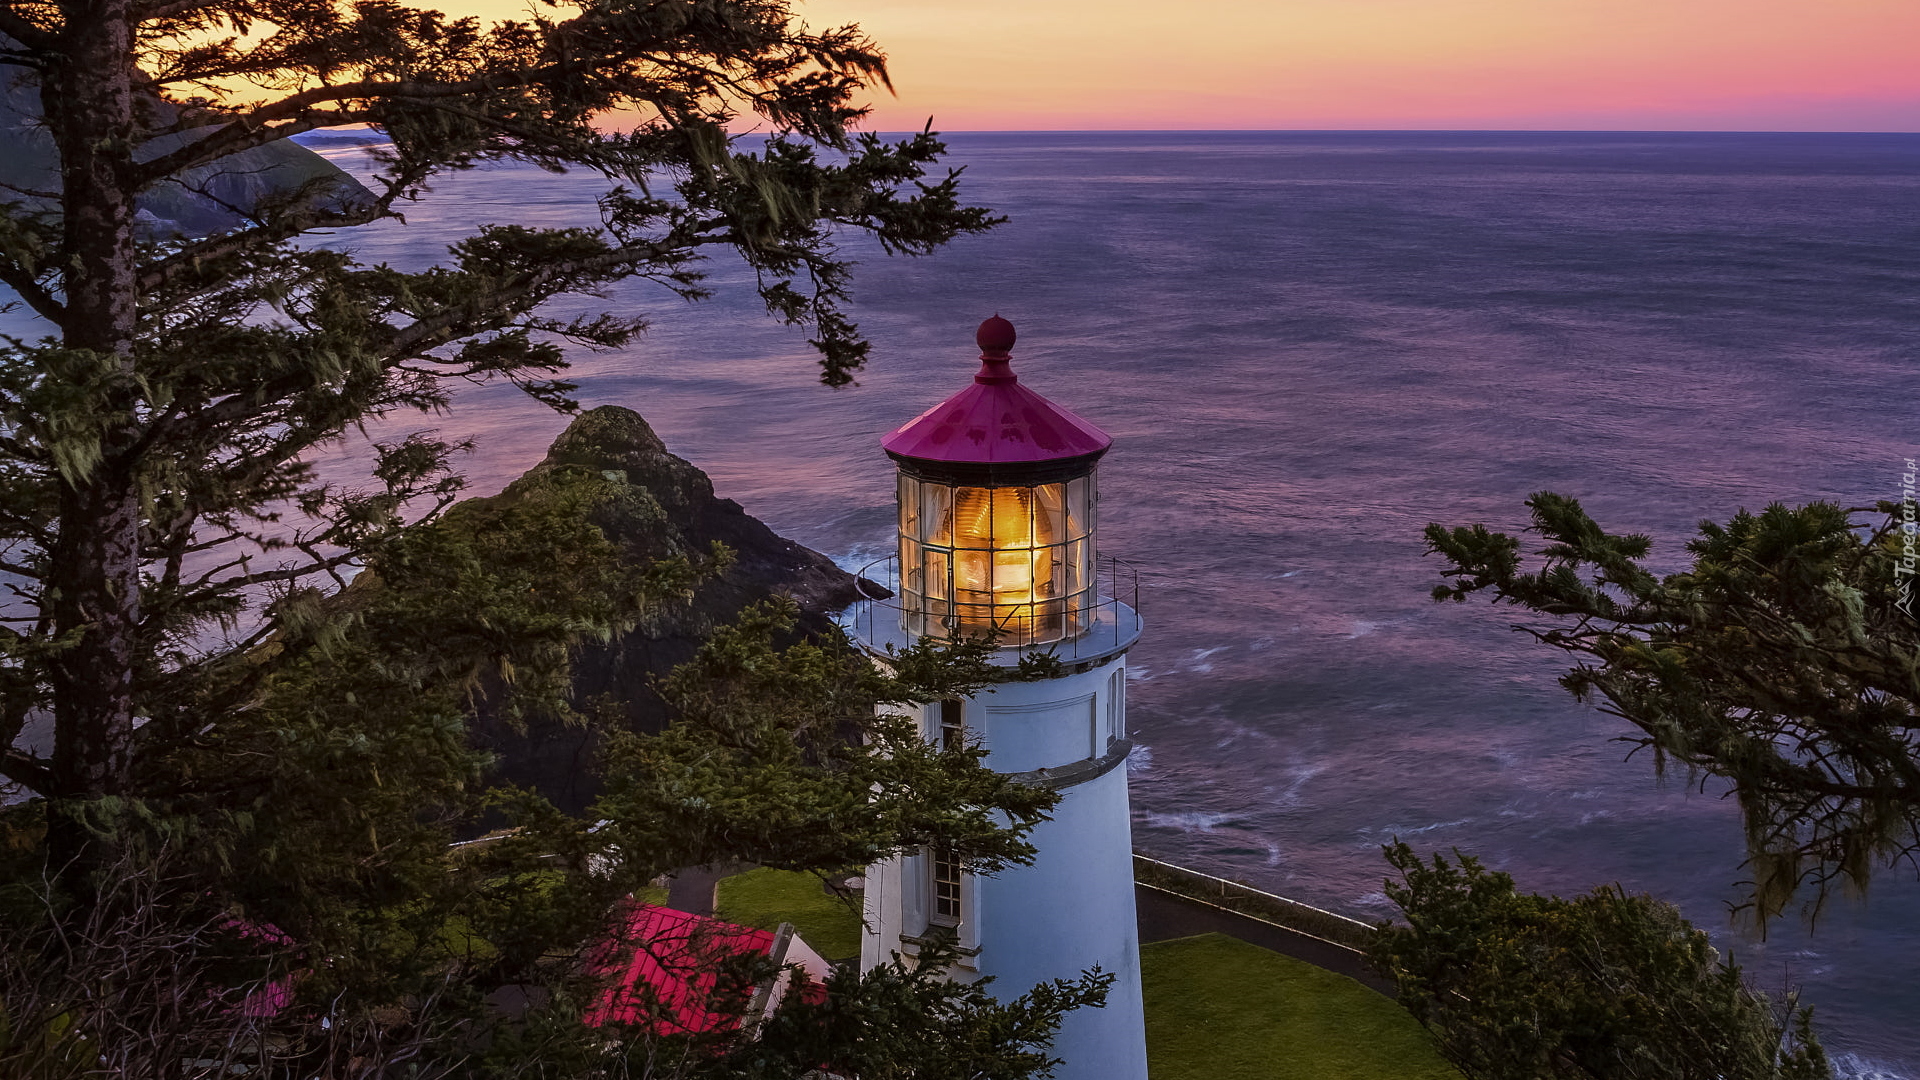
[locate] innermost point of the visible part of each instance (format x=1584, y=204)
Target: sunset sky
x=1800, y=65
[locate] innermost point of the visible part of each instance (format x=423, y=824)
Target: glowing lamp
x=996, y=509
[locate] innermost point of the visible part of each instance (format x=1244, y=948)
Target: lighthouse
x=997, y=538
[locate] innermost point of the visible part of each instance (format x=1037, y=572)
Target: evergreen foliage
x=303, y=841
x=899, y=1011
x=1780, y=659
x=1606, y=986
x=235, y=854
x=156, y=447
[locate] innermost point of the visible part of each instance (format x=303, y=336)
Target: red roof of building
x=665, y=967
x=996, y=420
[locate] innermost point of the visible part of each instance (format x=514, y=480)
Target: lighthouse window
x=1013, y=560
x=946, y=885
x=953, y=726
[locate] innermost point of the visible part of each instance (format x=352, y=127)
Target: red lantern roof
x=996, y=421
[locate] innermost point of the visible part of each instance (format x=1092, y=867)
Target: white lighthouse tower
x=996, y=536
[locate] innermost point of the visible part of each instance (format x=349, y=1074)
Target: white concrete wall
x=1072, y=910
x=880, y=913
x=1043, y=724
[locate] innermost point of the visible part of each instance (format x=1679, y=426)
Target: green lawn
x=765, y=898
x=1217, y=1008
x=1221, y=1009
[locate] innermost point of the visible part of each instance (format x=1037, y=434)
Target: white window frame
x=949, y=723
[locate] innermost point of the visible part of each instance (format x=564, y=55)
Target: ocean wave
x=1140, y=760
x=1188, y=821
x=1416, y=830
x=1855, y=1067
x=1375, y=901
x=1297, y=777
x=860, y=556
x=1199, y=660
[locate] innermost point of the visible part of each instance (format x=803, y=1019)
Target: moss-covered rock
x=656, y=506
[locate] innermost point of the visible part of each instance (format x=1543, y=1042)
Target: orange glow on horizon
x=1305, y=64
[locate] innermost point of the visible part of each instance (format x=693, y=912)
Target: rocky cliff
x=209, y=199
x=670, y=509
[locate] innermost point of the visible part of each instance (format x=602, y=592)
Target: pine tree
x=255, y=771
x=177, y=405
x=1604, y=986
x=1783, y=659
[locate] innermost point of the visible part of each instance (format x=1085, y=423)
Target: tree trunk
x=94, y=565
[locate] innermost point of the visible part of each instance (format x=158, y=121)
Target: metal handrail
x=1110, y=624
x=1116, y=567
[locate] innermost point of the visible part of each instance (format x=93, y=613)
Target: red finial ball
x=995, y=336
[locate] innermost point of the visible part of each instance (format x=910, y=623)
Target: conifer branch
x=493, y=308
x=232, y=138
x=841, y=52
x=29, y=289
x=36, y=39
x=34, y=774
x=317, y=564
x=1779, y=660
x=281, y=226
x=31, y=193
x=172, y=9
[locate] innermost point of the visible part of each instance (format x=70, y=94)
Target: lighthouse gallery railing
x=1106, y=625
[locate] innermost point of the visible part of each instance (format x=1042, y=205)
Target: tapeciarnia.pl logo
x=1906, y=582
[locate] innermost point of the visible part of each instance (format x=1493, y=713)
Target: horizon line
x=1300, y=131
x=1390, y=131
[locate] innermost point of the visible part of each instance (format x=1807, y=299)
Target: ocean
x=1307, y=346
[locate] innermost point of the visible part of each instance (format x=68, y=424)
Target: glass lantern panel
x=1079, y=567
x=973, y=586
x=1050, y=512
x=1015, y=520
x=935, y=573
x=934, y=517
x=912, y=579
x=986, y=518
x=980, y=560
x=1079, y=505
x=912, y=585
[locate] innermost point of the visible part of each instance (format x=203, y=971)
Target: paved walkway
x=1163, y=915
x=690, y=889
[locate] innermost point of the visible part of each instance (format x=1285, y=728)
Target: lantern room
x=997, y=505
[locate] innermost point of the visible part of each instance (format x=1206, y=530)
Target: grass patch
x=765, y=898
x=1221, y=1009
